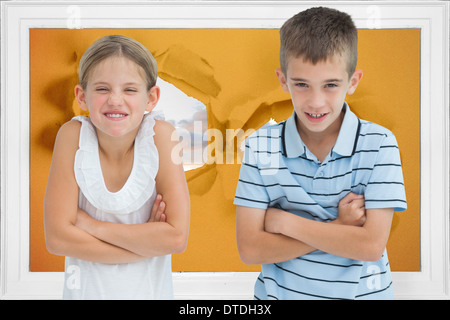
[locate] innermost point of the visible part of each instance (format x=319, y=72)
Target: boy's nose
x=316, y=99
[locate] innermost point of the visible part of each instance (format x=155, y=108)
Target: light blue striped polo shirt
x=279, y=171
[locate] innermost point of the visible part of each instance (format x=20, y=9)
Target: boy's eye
x=101, y=89
x=130, y=90
x=331, y=85
x=301, y=85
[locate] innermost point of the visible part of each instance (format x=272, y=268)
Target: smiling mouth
x=316, y=115
x=115, y=115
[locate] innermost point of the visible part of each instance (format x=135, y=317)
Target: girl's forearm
x=74, y=242
x=145, y=239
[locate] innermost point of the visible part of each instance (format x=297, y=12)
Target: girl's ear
x=153, y=97
x=81, y=97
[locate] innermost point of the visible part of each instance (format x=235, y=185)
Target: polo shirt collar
x=293, y=145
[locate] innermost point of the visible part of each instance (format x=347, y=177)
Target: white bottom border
x=213, y=286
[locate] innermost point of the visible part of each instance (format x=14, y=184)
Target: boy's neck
x=321, y=143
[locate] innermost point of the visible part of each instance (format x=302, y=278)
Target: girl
x=102, y=210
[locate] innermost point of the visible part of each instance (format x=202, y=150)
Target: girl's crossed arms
x=72, y=232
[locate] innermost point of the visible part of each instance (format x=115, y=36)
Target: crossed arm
x=273, y=235
x=71, y=232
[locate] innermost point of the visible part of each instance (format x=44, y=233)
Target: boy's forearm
x=257, y=246
x=341, y=240
x=353, y=242
x=278, y=247
x=274, y=248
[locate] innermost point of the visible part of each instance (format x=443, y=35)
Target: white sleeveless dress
x=147, y=279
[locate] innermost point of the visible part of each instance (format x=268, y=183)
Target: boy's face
x=318, y=92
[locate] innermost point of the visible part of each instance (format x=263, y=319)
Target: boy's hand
x=352, y=210
x=158, y=214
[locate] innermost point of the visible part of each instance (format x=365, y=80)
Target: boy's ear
x=354, y=81
x=153, y=98
x=282, y=79
x=81, y=97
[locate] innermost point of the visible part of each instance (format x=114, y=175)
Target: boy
x=317, y=192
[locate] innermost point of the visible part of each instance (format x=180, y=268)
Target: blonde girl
x=117, y=203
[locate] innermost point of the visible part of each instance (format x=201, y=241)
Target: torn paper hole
x=189, y=117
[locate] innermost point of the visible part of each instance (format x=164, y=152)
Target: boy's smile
x=318, y=92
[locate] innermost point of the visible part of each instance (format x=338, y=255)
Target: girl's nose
x=115, y=98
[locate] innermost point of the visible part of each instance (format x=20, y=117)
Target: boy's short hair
x=318, y=34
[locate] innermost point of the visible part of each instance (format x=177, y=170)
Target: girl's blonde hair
x=121, y=46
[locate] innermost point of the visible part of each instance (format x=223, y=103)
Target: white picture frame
x=17, y=17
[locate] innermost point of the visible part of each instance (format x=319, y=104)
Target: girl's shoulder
x=71, y=125
x=66, y=146
x=163, y=126
x=164, y=130
x=68, y=135
x=165, y=139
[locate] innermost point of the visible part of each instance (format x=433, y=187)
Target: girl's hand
x=352, y=210
x=158, y=213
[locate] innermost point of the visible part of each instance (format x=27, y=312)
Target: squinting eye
x=301, y=85
x=101, y=89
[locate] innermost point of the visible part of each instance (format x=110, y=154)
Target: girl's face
x=116, y=96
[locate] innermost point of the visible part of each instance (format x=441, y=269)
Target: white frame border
x=17, y=282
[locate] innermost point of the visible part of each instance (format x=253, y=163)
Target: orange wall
x=232, y=72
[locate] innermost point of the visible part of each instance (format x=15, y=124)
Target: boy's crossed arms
x=274, y=235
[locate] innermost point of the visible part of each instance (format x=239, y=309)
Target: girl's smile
x=116, y=115
x=116, y=97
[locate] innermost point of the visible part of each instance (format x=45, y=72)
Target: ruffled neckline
x=140, y=184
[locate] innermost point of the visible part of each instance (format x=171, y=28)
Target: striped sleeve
x=251, y=191
x=385, y=188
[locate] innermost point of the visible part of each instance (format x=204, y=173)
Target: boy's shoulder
x=368, y=128
x=373, y=136
x=271, y=131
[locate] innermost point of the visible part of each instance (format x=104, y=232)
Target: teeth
x=318, y=115
x=115, y=115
